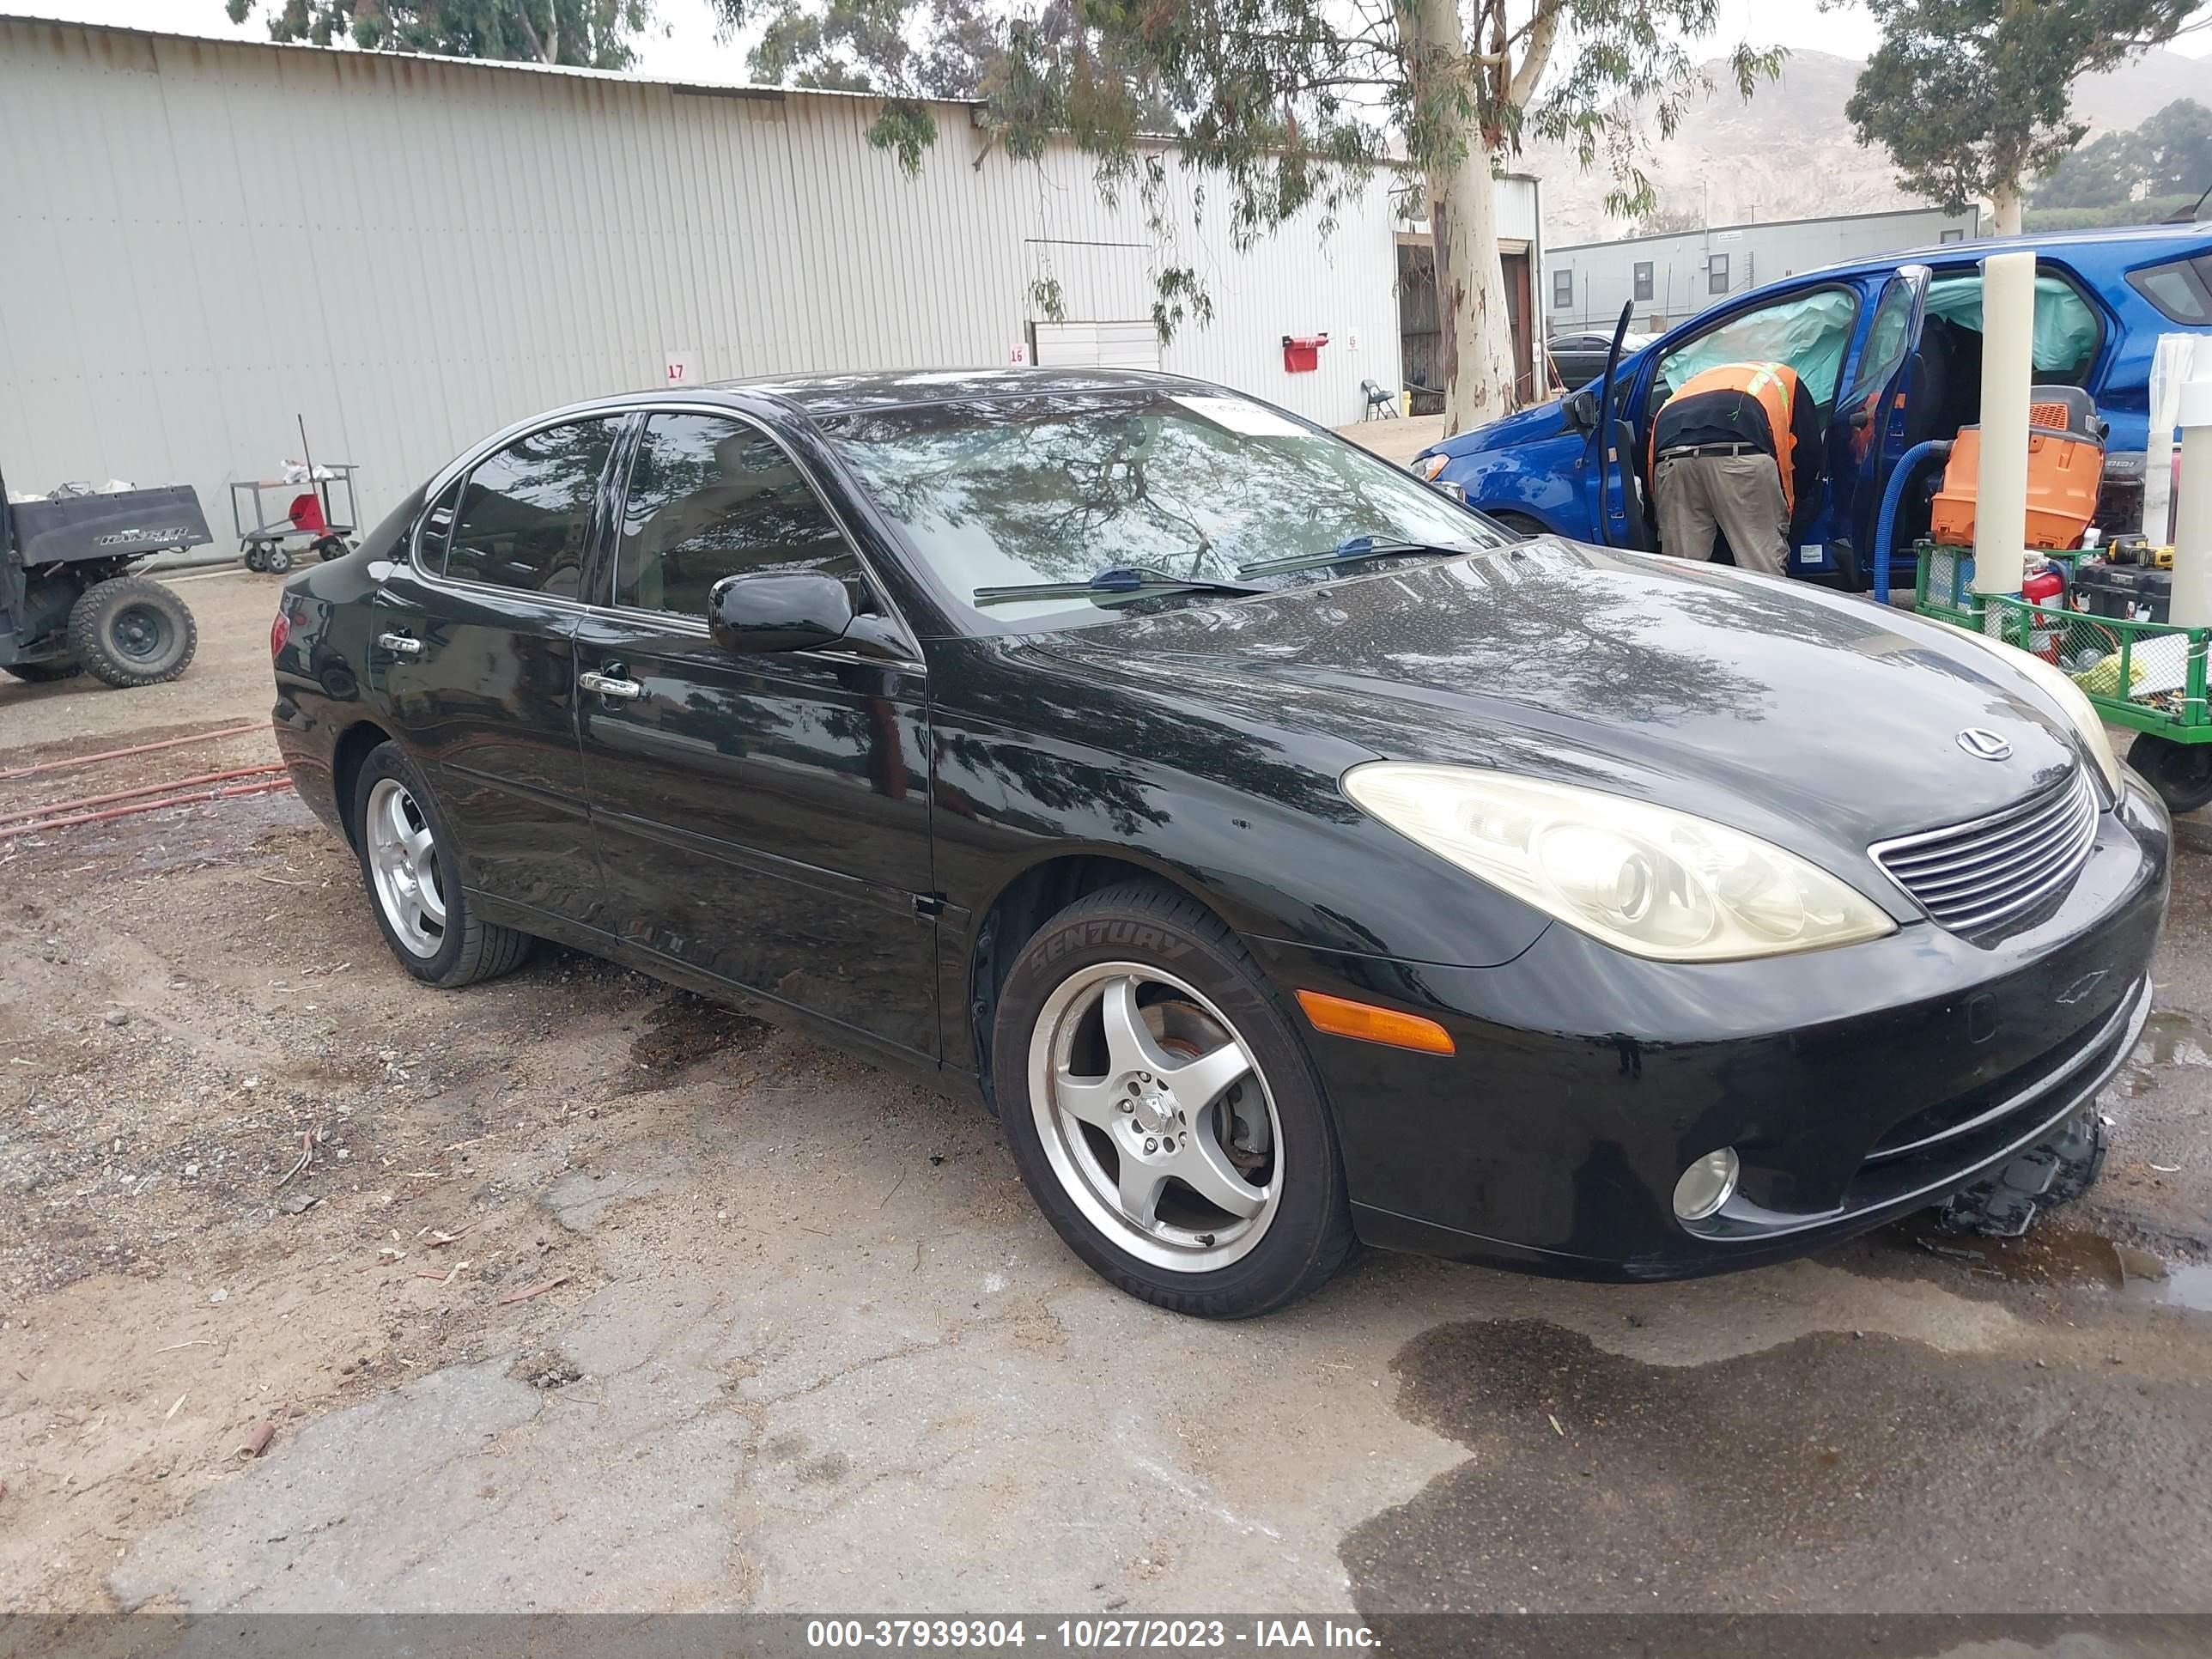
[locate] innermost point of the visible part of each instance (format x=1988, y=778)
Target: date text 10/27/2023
x=1101, y=1634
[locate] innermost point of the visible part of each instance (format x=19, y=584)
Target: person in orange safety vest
x=1737, y=449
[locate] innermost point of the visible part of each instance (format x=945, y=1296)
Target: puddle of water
x=2063, y=1258
x=2170, y=1038
x=2183, y=1284
x=2174, y=1038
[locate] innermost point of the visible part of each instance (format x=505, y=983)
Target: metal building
x=1673, y=277
x=206, y=238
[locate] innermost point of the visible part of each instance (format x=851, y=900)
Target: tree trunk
x=2004, y=209
x=1478, y=346
x=1477, y=351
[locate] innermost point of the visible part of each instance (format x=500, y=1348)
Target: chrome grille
x=1973, y=876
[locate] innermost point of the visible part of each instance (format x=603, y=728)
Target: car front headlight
x=1644, y=879
x=2073, y=702
x=1426, y=467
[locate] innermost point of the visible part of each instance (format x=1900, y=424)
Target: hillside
x=1789, y=154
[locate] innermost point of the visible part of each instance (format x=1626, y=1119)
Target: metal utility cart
x=2150, y=677
x=319, y=516
x=68, y=600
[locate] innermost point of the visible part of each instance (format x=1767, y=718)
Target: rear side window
x=2181, y=289
x=523, y=519
x=711, y=497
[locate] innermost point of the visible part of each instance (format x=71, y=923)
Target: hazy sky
x=682, y=39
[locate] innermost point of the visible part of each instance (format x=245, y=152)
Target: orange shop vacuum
x=2065, y=465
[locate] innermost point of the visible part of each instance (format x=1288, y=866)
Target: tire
x=132, y=631
x=277, y=561
x=1262, y=1138
x=2180, y=772
x=439, y=941
x=44, y=673
x=1520, y=523
x=332, y=547
x=2056, y=1171
x=255, y=558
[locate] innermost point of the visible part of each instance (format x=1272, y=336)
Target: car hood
x=1792, y=713
x=1545, y=420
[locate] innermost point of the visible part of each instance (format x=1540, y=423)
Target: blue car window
x=1807, y=332
x=2066, y=331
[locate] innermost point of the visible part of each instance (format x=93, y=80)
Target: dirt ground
x=574, y=1246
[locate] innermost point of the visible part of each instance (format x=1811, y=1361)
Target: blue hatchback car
x=1891, y=350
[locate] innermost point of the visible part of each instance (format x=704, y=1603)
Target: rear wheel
x=41, y=673
x=1163, y=1111
x=2180, y=772
x=132, y=631
x=413, y=885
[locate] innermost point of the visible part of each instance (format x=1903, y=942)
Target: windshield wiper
x=1356, y=548
x=1117, y=583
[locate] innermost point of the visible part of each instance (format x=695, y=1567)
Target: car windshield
x=1062, y=489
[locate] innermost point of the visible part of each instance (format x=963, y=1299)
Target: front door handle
x=400, y=645
x=609, y=685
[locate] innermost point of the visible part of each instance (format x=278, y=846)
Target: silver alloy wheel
x=1155, y=1117
x=403, y=867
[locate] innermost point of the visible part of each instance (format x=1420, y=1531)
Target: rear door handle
x=608, y=685
x=400, y=645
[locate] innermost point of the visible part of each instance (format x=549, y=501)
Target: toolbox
x=2134, y=592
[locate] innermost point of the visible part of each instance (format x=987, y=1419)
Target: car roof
x=819, y=395
x=2129, y=245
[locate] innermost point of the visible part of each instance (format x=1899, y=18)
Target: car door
x=1811, y=329
x=473, y=659
x=761, y=817
x=1866, y=435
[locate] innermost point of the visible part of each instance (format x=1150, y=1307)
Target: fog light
x=1706, y=1185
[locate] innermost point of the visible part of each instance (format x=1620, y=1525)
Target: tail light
x=281, y=629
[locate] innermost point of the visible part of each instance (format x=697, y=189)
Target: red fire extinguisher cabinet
x=1302, y=352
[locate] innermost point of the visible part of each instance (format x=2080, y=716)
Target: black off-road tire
x=472, y=950
x=2180, y=772
x=1310, y=1235
x=44, y=673
x=2057, y=1170
x=132, y=631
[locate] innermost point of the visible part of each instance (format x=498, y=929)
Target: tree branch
x=1543, y=31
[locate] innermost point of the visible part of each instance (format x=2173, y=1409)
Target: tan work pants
x=1740, y=495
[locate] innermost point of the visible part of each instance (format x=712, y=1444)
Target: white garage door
x=1099, y=345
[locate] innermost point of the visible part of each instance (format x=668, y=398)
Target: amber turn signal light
x=1341, y=1017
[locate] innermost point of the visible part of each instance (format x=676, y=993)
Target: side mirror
x=778, y=610
x=1581, y=410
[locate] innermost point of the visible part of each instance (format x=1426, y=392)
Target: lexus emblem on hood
x=1983, y=745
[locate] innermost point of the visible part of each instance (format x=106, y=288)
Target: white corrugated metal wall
x=204, y=238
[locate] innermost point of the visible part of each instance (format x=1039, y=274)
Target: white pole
x=2193, y=534
x=2001, y=487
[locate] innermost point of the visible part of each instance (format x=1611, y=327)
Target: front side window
x=999, y=494
x=711, y=497
x=1887, y=338
x=1808, y=332
x=1717, y=274
x=1643, y=279
x=524, y=514
x=1563, y=290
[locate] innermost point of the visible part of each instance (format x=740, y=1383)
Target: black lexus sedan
x=1287, y=855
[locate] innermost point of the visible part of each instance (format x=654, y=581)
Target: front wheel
x=2180, y=772
x=130, y=631
x=1163, y=1111
x=413, y=884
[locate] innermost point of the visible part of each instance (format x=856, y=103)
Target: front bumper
x=1856, y=1084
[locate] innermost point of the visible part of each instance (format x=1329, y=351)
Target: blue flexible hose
x=1900, y=479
